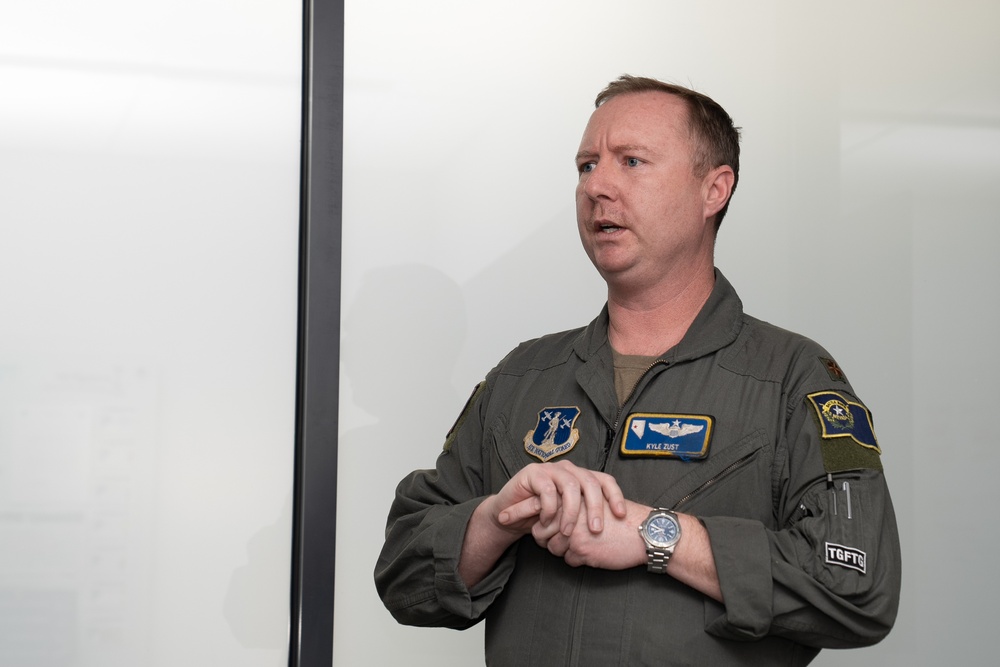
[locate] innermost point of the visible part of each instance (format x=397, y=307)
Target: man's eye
x=632, y=161
x=587, y=167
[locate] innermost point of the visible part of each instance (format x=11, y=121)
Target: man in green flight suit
x=677, y=483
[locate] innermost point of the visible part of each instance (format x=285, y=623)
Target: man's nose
x=601, y=181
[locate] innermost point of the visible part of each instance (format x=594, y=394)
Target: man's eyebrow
x=630, y=148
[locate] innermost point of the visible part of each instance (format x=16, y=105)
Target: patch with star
x=681, y=436
x=554, y=433
x=848, y=435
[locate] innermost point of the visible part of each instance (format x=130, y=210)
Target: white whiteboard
x=148, y=276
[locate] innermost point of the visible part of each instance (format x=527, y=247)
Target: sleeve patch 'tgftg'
x=849, y=557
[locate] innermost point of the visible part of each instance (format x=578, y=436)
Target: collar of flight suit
x=716, y=326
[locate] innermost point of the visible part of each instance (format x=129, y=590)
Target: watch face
x=662, y=530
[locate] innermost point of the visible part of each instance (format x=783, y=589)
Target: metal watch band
x=657, y=560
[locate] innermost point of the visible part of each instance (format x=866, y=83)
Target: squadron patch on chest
x=554, y=433
x=681, y=436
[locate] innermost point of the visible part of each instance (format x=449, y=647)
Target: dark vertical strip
x=315, y=512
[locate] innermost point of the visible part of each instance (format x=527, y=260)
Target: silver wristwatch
x=661, y=531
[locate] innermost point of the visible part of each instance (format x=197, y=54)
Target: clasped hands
x=577, y=514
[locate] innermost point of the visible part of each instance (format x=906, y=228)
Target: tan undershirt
x=628, y=369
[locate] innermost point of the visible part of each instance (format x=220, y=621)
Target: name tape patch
x=681, y=436
x=849, y=557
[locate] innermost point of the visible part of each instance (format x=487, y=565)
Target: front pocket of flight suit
x=733, y=477
x=509, y=446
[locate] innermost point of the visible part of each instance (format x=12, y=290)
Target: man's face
x=640, y=207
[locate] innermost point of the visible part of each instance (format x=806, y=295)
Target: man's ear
x=718, y=186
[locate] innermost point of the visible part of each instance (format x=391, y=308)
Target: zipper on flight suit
x=609, y=441
x=613, y=430
x=729, y=469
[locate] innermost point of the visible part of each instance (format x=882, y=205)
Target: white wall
x=866, y=218
x=148, y=267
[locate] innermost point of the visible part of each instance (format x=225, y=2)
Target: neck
x=652, y=321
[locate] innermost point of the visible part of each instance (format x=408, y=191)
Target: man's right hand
x=547, y=492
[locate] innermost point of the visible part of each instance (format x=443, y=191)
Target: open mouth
x=608, y=228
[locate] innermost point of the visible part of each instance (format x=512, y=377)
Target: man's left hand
x=617, y=547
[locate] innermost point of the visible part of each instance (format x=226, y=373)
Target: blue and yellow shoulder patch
x=849, y=441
